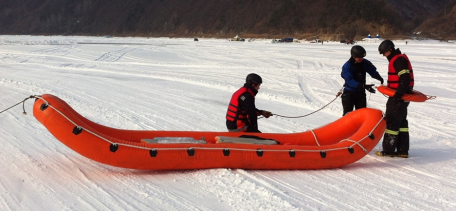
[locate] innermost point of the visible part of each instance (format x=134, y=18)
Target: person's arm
x=401, y=67
x=258, y=112
x=251, y=112
x=372, y=71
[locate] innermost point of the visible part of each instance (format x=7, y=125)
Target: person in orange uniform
x=242, y=113
x=396, y=141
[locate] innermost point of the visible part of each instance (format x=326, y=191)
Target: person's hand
x=369, y=88
x=266, y=114
x=378, y=77
x=381, y=80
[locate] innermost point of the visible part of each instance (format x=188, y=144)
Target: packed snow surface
x=179, y=84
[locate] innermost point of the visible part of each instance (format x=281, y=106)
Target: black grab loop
x=323, y=154
x=190, y=151
x=259, y=152
x=226, y=152
x=113, y=147
x=292, y=153
x=372, y=136
x=153, y=152
x=77, y=130
x=351, y=150
x=44, y=106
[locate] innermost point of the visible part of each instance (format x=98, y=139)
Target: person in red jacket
x=242, y=113
x=400, y=77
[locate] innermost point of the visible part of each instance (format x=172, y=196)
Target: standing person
x=400, y=77
x=242, y=113
x=354, y=74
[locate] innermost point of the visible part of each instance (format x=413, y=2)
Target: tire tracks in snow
x=114, y=56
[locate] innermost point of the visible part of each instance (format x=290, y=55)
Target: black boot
x=389, y=143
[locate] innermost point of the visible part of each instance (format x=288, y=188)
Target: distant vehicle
x=343, y=41
x=237, y=38
x=106, y=36
x=196, y=39
x=351, y=41
x=288, y=39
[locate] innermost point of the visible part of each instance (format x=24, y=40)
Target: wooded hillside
x=216, y=18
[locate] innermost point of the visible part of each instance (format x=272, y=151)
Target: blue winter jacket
x=355, y=74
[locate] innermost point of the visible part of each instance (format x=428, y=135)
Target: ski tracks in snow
x=319, y=85
x=187, y=86
x=424, y=184
x=114, y=56
x=233, y=187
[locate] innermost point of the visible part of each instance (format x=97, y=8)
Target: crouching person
x=242, y=113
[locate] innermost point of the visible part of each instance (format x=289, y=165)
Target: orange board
x=416, y=96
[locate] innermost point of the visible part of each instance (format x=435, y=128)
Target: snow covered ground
x=179, y=84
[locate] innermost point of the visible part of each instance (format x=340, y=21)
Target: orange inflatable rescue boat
x=337, y=144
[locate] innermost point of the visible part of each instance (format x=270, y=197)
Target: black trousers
x=352, y=99
x=396, y=133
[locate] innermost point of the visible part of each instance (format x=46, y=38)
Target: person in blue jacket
x=354, y=73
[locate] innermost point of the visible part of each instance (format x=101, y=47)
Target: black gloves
x=266, y=114
x=369, y=88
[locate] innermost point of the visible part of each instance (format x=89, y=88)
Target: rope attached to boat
x=114, y=145
x=337, y=95
x=23, y=105
x=316, y=140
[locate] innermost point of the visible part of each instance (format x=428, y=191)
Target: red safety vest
x=234, y=113
x=393, y=78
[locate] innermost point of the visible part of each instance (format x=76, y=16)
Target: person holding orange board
x=396, y=141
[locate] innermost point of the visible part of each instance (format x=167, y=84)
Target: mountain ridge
x=222, y=18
